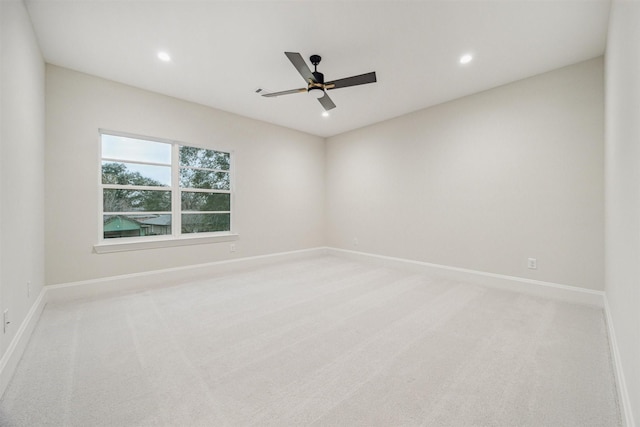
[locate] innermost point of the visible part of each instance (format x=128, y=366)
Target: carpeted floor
x=319, y=341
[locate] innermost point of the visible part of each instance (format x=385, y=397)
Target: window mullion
x=137, y=162
x=206, y=212
x=135, y=187
x=205, y=190
x=138, y=213
x=206, y=169
x=176, y=199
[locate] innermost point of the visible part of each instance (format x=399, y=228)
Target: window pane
x=135, y=174
x=123, y=148
x=192, y=201
x=115, y=226
x=203, y=158
x=198, y=178
x=117, y=200
x=205, y=223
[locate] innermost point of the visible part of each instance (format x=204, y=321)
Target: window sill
x=108, y=247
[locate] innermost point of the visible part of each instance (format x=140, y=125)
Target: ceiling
x=223, y=51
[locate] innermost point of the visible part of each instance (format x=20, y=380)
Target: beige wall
x=279, y=176
x=21, y=167
x=623, y=190
x=483, y=182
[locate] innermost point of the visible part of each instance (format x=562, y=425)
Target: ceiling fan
x=316, y=85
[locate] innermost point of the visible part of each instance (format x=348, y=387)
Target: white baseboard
x=12, y=356
x=568, y=293
x=623, y=392
x=145, y=280
x=149, y=279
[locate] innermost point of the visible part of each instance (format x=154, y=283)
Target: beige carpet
x=321, y=341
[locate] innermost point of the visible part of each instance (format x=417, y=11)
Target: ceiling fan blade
x=298, y=62
x=326, y=102
x=286, y=92
x=352, y=81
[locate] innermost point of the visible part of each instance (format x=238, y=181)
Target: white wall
x=22, y=124
x=279, y=176
x=482, y=182
x=623, y=189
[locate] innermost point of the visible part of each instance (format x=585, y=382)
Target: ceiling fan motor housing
x=319, y=77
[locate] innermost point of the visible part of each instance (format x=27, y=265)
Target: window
x=160, y=188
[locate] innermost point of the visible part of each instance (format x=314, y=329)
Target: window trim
x=140, y=243
x=175, y=238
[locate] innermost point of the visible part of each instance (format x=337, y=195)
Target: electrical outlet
x=232, y=248
x=5, y=320
x=532, y=263
x=355, y=241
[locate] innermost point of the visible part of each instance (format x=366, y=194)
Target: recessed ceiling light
x=465, y=59
x=164, y=56
x=325, y=114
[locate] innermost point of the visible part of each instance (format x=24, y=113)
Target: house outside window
x=153, y=187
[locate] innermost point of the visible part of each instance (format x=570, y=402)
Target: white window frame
x=176, y=238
